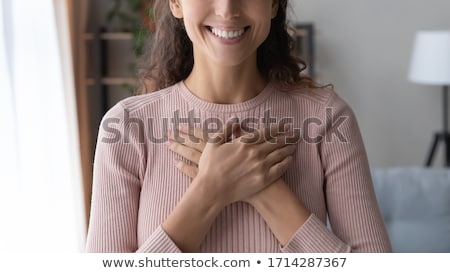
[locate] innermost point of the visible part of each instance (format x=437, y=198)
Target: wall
x=364, y=48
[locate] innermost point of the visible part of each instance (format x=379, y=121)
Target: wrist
x=211, y=199
x=190, y=220
x=267, y=196
x=281, y=209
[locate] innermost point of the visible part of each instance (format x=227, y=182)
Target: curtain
x=80, y=11
x=41, y=199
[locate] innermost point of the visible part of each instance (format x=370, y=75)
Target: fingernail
x=233, y=119
x=170, y=133
x=287, y=127
x=183, y=128
x=169, y=143
x=178, y=163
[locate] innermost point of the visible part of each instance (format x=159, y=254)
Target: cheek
x=196, y=10
x=193, y=21
x=263, y=32
x=192, y=30
x=262, y=18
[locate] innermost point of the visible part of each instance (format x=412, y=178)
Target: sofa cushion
x=415, y=204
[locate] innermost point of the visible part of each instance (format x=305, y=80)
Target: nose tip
x=228, y=9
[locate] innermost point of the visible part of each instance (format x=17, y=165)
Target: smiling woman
x=169, y=59
x=231, y=187
x=251, y=19
x=40, y=181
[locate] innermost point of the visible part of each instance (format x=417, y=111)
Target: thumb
x=237, y=131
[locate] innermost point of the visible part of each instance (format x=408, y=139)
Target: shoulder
x=137, y=105
x=317, y=98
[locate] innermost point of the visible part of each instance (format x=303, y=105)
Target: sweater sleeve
x=119, y=167
x=356, y=222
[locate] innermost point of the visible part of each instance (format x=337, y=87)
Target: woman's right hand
x=235, y=170
x=224, y=172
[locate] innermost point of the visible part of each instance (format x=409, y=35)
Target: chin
x=231, y=61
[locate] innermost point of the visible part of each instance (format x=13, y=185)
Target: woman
x=231, y=178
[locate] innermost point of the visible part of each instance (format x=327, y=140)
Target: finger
x=274, y=130
x=190, y=138
x=278, y=169
x=187, y=169
x=265, y=134
x=186, y=152
x=280, y=141
x=226, y=135
x=237, y=131
x=280, y=154
x=192, y=131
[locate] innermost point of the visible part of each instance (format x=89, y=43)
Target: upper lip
x=228, y=28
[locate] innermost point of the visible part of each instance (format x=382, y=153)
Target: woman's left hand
x=189, y=144
x=277, y=204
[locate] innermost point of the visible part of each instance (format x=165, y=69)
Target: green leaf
x=135, y=5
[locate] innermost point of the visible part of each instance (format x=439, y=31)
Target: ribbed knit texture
x=136, y=184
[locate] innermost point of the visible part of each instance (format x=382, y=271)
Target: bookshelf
x=108, y=75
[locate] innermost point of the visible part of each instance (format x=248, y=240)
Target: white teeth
x=227, y=34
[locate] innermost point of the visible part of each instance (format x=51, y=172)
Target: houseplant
x=134, y=16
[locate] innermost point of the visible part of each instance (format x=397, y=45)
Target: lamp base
x=440, y=137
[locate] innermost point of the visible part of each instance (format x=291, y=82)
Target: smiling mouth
x=228, y=34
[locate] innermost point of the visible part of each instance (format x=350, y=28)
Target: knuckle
x=278, y=170
x=287, y=151
x=278, y=154
x=255, y=153
x=260, y=178
x=193, y=155
x=243, y=149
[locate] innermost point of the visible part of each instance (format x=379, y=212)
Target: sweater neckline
x=224, y=108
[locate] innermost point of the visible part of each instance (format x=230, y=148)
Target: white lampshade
x=430, y=63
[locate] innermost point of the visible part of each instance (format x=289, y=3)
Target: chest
x=239, y=227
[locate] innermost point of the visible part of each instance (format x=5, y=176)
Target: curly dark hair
x=168, y=54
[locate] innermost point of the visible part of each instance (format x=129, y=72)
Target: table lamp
x=430, y=64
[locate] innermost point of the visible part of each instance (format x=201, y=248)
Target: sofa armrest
x=415, y=204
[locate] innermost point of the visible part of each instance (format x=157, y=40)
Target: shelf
x=300, y=32
x=113, y=81
x=110, y=36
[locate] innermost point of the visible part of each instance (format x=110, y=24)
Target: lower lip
x=228, y=41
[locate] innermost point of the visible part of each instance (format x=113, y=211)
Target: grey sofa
x=415, y=204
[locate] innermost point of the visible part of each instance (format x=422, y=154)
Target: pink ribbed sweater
x=136, y=184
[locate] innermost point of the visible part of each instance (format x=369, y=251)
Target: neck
x=226, y=84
